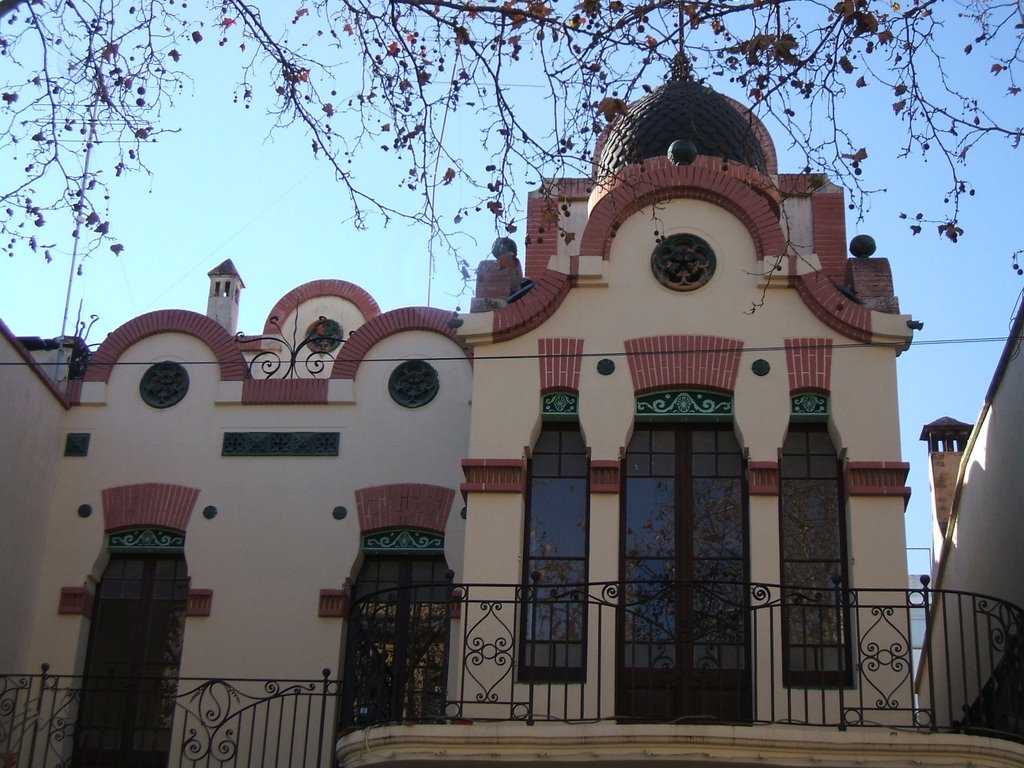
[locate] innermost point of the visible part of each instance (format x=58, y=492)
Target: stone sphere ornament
x=862, y=246
x=682, y=152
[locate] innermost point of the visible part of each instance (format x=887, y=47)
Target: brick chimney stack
x=946, y=438
x=497, y=278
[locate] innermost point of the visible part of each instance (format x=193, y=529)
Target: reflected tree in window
x=396, y=663
x=813, y=548
x=556, y=555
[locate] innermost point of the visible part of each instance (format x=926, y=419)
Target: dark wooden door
x=682, y=646
x=133, y=662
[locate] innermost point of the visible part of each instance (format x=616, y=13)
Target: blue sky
x=222, y=188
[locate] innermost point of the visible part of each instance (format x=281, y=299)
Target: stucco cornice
x=483, y=744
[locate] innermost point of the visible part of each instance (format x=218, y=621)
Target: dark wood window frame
x=554, y=607
x=812, y=543
x=396, y=656
x=133, y=662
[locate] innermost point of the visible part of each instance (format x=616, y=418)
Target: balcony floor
x=479, y=745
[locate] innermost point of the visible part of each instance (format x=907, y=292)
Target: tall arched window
x=813, y=545
x=133, y=661
x=555, y=564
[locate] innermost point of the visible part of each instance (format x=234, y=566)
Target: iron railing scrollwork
x=283, y=355
x=58, y=721
x=916, y=659
x=863, y=659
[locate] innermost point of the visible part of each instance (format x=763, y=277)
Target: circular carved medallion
x=683, y=262
x=324, y=335
x=414, y=383
x=164, y=384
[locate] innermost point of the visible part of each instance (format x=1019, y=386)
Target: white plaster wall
x=274, y=543
x=31, y=442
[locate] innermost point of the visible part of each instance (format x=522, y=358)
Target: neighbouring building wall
x=986, y=530
x=30, y=443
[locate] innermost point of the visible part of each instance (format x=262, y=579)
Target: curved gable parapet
x=210, y=332
x=533, y=307
x=833, y=308
x=746, y=194
x=160, y=505
x=363, y=339
x=343, y=289
x=663, y=362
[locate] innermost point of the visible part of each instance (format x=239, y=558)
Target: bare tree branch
x=365, y=79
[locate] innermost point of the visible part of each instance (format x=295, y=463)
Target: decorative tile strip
x=76, y=444
x=556, y=404
x=281, y=443
x=683, y=403
x=146, y=540
x=403, y=541
x=809, y=405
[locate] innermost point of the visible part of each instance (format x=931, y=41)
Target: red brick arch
x=404, y=505
x=664, y=362
x=746, y=194
x=210, y=332
x=160, y=505
x=288, y=303
x=363, y=339
x=835, y=310
x=809, y=364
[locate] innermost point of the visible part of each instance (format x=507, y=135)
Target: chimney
x=946, y=438
x=225, y=287
x=498, y=279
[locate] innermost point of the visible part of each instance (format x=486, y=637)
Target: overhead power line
x=619, y=354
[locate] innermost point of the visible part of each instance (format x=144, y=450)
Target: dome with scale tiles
x=684, y=109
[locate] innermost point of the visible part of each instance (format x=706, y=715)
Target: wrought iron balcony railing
x=654, y=652
x=58, y=721
x=664, y=651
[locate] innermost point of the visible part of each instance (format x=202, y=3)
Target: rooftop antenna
x=80, y=218
x=681, y=62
